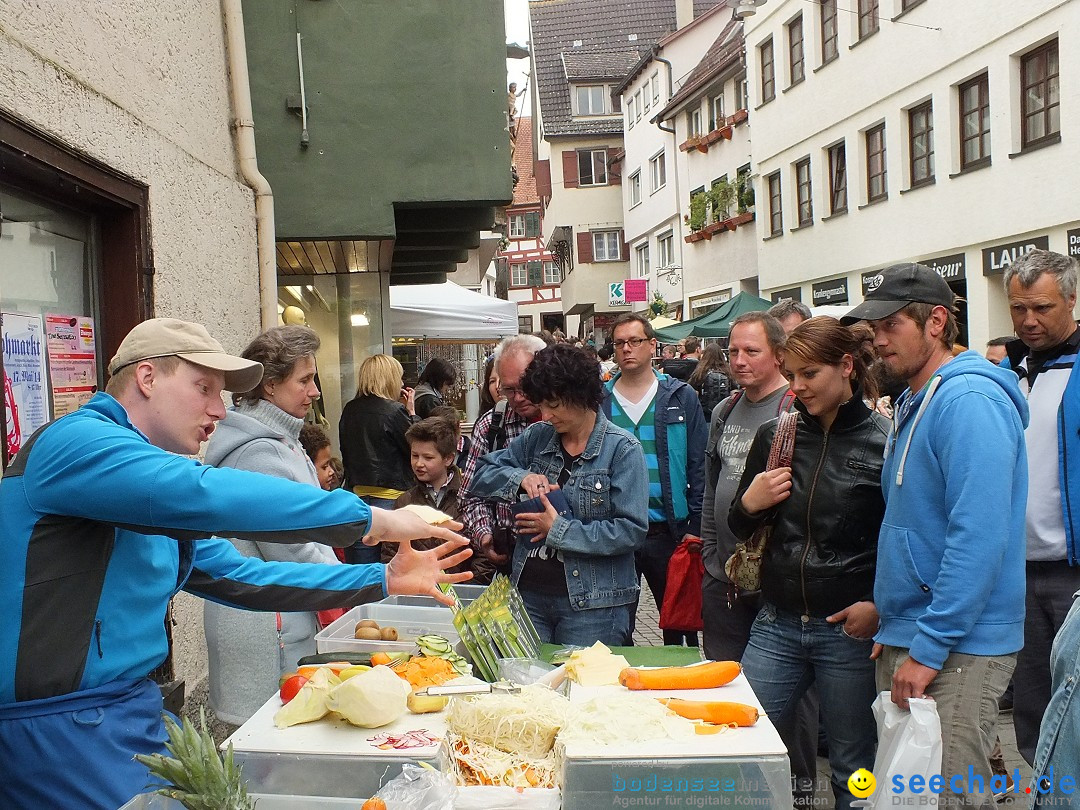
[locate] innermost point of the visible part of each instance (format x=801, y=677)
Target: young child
x=433, y=449
x=317, y=446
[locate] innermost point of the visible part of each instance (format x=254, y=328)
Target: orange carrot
x=718, y=712
x=382, y=658
x=701, y=676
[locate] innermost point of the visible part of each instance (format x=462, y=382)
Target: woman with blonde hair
x=818, y=618
x=374, y=450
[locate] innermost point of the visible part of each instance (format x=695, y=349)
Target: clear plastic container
x=409, y=621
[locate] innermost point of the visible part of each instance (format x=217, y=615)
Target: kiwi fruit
x=389, y=634
x=367, y=623
x=368, y=633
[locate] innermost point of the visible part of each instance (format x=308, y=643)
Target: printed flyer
x=71, y=344
x=26, y=393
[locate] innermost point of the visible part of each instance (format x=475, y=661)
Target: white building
x=912, y=130
x=658, y=176
x=581, y=50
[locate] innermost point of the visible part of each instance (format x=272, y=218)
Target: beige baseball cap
x=165, y=337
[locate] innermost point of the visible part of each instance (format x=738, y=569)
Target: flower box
x=738, y=117
x=696, y=236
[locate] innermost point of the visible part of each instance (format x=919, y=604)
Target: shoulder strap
x=783, y=443
x=730, y=406
x=787, y=402
x=496, y=434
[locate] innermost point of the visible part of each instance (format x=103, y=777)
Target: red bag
x=330, y=615
x=682, y=593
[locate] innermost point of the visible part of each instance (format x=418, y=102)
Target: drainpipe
x=244, y=124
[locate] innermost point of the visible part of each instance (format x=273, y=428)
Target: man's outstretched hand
x=420, y=572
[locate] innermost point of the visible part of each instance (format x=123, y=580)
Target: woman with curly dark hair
x=575, y=571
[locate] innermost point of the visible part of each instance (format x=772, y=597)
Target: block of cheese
x=428, y=514
x=595, y=666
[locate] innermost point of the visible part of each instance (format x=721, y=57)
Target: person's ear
x=144, y=377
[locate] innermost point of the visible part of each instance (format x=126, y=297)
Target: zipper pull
x=97, y=636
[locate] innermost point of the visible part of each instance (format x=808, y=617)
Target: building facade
x=581, y=53
x=529, y=272
x=955, y=153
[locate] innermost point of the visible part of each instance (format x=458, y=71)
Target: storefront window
x=345, y=310
x=48, y=312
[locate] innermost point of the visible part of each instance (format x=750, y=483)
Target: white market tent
x=449, y=312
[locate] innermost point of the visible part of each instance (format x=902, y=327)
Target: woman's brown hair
x=825, y=340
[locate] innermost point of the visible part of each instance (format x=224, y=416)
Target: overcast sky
x=517, y=31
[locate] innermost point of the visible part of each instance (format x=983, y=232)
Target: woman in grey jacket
x=248, y=651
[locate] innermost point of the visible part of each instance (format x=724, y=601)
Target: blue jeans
x=358, y=553
x=558, y=623
x=785, y=655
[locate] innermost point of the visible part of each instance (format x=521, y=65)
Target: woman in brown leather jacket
x=818, y=618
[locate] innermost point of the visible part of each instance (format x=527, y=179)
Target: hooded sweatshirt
x=244, y=648
x=950, y=571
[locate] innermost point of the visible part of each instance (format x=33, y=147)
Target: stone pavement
x=647, y=634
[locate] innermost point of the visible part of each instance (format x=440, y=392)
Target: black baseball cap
x=898, y=286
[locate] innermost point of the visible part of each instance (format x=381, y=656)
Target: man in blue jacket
x=950, y=569
x=664, y=414
x=1042, y=293
x=103, y=522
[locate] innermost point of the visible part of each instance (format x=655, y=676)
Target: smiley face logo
x=861, y=783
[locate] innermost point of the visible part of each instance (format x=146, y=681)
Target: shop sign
x=829, y=292
x=790, y=294
x=637, y=289
x=710, y=300
x=617, y=294
x=951, y=268
x=1073, y=238
x=995, y=259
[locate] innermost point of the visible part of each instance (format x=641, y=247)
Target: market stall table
x=738, y=767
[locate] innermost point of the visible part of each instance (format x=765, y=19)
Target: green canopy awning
x=716, y=323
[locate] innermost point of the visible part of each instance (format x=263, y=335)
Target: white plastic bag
x=909, y=744
x=418, y=787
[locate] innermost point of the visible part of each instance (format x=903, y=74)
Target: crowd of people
x=920, y=537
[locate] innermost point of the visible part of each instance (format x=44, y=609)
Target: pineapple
x=195, y=774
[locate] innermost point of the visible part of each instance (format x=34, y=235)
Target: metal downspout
x=244, y=124
x=678, y=193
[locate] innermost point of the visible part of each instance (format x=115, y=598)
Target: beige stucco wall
x=142, y=86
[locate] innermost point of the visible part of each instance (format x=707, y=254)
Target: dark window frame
x=768, y=70
x=981, y=110
x=804, y=192
x=869, y=18
x=592, y=165
x=796, y=51
x=1046, y=81
x=776, y=204
x=876, y=150
x=838, y=201
x=830, y=42
x=921, y=168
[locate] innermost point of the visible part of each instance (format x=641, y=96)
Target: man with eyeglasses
x=664, y=414
x=490, y=523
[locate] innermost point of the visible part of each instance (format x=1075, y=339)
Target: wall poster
x=26, y=391
x=71, y=343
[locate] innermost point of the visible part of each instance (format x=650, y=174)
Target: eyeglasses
x=510, y=392
x=634, y=342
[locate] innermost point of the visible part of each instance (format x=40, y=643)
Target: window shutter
x=543, y=179
x=584, y=247
x=625, y=247
x=569, y=169
x=614, y=168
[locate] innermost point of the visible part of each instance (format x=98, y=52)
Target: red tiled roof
x=525, y=190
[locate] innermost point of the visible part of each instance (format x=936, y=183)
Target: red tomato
x=291, y=687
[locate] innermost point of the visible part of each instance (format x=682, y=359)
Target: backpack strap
x=787, y=402
x=716, y=431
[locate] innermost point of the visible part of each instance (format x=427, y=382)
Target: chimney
x=684, y=13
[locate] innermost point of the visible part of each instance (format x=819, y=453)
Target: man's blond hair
x=120, y=381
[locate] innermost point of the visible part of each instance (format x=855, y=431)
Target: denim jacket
x=608, y=492
x=1059, y=738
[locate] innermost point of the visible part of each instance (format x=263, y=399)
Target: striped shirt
x=645, y=432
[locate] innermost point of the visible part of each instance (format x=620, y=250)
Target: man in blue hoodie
x=950, y=571
x=104, y=520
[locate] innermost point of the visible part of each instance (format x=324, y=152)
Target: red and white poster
x=26, y=392
x=637, y=289
x=72, y=350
